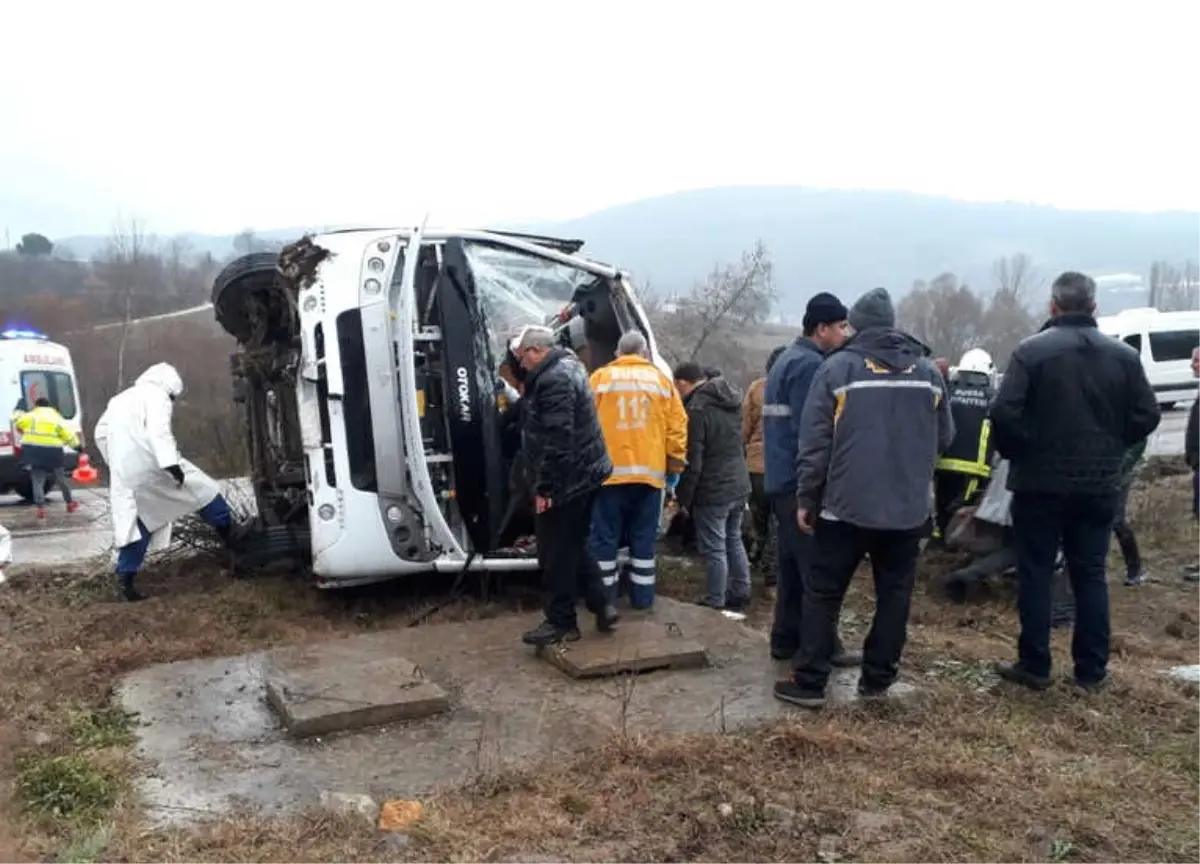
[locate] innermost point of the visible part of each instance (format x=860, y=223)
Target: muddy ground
x=974, y=771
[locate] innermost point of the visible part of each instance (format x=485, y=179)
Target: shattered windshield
x=515, y=288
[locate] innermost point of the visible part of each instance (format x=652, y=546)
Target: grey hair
x=534, y=336
x=632, y=342
x=1074, y=292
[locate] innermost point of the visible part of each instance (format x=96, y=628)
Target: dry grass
x=973, y=771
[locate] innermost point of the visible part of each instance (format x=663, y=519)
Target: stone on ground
x=318, y=694
x=346, y=803
x=642, y=643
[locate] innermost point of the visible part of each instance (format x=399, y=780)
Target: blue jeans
x=631, y=511
x=719, y=539
x=131, y=556
x=1083, y=524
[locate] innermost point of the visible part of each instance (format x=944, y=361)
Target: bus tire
x=234, y=290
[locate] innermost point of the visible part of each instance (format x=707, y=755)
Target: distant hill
x=843, y=241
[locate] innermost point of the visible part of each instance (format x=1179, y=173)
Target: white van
x=31, y=366
x=1164, y=341
x=367, y=367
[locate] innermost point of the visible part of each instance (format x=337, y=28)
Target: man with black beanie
x=873, y=425
x=788, y=383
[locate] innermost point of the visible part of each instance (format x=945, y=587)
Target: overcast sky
x=265, y=114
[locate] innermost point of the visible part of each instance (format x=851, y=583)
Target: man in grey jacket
x=876, y=420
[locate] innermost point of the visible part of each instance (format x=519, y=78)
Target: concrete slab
x=212, y=743
x=316, y=693
x=642, y=643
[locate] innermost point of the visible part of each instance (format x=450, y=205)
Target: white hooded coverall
x=135, y=440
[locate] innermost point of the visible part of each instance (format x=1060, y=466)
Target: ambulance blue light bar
x=16, y=333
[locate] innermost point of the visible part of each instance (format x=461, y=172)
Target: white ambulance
x=32, y=367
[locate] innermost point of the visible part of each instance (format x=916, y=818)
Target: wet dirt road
x=62, y=538
x=59, y=538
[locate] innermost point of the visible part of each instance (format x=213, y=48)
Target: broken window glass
x=516, y=288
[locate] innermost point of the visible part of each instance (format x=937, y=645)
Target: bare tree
x=713, y=319
x=1174, y=288
x=1016, y=276
x=1008, y=319
x=124, y=259
x=944, y=314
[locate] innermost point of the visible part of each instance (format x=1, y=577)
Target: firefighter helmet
x=977, y=360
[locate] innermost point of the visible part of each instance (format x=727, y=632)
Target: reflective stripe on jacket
x=970, y=452
x=42, y=427
x=787, y=388
x=980, y=466
x=645, y=426
x=875, y=422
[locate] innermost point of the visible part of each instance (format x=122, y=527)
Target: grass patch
x=99, y=728
x=72, y=788
x=88, y=845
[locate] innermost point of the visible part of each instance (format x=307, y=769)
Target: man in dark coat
x=871, y=432
x=788, y=383
x=715, y=485
x=1071, y=404
x=567, y=464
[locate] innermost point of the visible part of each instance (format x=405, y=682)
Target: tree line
x=722, y=320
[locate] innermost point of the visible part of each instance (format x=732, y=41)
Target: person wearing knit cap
x=787, y=387
x=873, y=310
x=874, y=423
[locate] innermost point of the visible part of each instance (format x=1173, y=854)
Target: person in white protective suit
x=151, y=485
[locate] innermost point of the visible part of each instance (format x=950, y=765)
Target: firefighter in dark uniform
x=964, y=469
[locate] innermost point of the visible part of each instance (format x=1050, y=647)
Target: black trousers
x=949, y=492
x=569, y=573
x=793, y=559
x=838, y=549
x=763, y=554
x=1126, y=539
x=1083, y=525
x=794, y=552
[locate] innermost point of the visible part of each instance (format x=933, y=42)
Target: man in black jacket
x=567, y=464
x=1070, y=405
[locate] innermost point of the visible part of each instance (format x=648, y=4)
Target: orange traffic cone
x=85, y=473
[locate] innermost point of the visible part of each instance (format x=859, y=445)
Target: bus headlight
x=326, y=512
